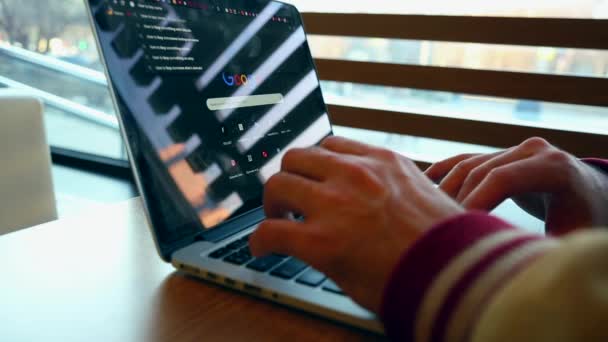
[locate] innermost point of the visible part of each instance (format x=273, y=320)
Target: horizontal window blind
x=529, y=86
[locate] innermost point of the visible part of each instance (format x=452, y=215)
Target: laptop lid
x=210, y=96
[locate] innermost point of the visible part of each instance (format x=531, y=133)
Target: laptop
x=210, y=95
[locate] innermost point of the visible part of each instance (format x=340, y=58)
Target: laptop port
x=252, y=289
x=229, y=282
x=211, y=276
x=188, y=269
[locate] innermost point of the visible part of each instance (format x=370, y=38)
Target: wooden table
x=97, y=277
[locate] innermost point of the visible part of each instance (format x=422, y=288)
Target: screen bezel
x=234, y=225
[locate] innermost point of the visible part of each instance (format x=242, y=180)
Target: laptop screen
x=211, y=94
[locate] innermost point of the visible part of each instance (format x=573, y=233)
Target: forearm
x=477, y=278
x=563, y=296
x=441, y=284
x=601, y=164
x=599, y=204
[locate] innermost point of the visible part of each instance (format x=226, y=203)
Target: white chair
x=26, y=187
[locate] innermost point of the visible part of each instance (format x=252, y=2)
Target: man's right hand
x=542, y=179
x=363, y=206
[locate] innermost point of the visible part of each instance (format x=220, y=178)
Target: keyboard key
x=265, y=263
x=311, y=278
x=236, y=244
x=289, y=268
x=237, y=259
x=332, y=287
x=220, y=253
x=246, y=250
x=240, y=257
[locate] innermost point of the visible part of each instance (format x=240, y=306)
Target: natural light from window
x=53, y=56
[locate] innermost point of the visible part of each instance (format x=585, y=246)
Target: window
x=52, y=54
x=595, y=9
x=539, y=60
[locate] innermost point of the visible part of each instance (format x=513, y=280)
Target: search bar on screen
x=222, y=103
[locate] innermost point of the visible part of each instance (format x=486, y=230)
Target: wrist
x=598, y=191
x=600, y=164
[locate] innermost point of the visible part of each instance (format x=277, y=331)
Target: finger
x=279, y=236
x=480, y=172
x=285, y=193
x=346, y=146
x=526, y=176
x=452, y=183
x=440, y=169
x=315, y=163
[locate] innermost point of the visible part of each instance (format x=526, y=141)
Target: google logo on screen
x=237, y=79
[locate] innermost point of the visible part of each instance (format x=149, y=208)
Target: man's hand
x=363, y=207
x=543, y=180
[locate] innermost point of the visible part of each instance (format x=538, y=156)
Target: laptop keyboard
x=280, y=266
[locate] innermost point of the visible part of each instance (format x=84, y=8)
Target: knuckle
x=360, y=172
x=407, y=162
x=463, y=167
x=562, y=161
x=364, y=177
x=558, y=156
x=376, y=186
x=290, y=158
x=535, y=144
x=466, y=156
x=498, y=175
x=273, y=184
x=332, y=197
x=368, y=178
x=477, y=175
x=349, y=167
x=330, y=141
x=450, y=163
x=389, y=156
x=336, y=159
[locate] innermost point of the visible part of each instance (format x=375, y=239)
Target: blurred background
x=49, y=50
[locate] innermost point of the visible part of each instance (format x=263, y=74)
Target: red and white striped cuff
x=440, y=285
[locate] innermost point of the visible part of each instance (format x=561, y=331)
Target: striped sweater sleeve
x=476, y=278
x=563, y=296
x=441, y=285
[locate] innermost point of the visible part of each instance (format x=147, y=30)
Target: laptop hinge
x=233, y=227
